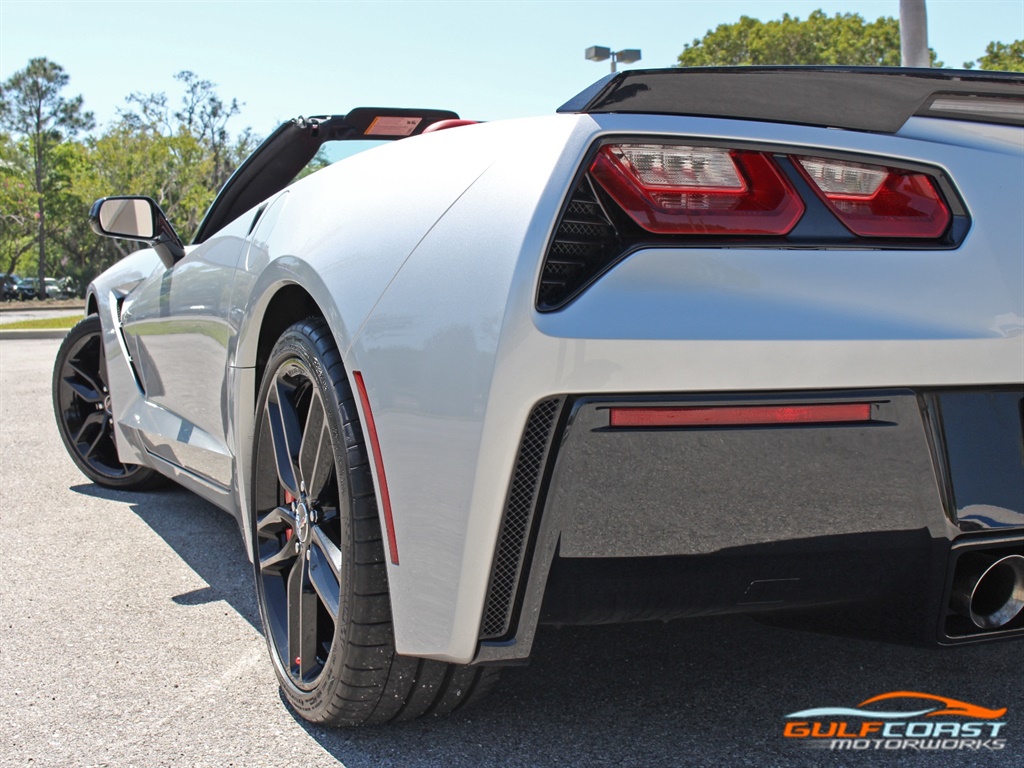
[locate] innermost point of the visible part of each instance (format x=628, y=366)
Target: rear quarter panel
x=451, y=401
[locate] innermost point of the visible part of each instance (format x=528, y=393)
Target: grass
x=42, y=323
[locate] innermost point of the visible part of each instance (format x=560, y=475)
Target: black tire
x=318, y=558
x=81, y=404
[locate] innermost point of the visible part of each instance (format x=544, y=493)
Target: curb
x=27, y=306
x=34, y=333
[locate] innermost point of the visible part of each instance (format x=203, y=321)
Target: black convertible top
x=878, y=99
x=285, y=152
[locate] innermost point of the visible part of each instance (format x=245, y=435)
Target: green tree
x=178, y=156
x=31, y=105
x=172, y=169
x=206, y=117
x=84, y=254
x=1002, y=57
x=843, y=39
x=17, y=205
x=187, y=153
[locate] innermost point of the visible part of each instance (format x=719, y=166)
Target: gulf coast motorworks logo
x=924, y=722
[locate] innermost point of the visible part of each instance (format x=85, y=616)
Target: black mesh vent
x=515, y=526
x=585, y=243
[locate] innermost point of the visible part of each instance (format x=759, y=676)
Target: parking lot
x=130, y=637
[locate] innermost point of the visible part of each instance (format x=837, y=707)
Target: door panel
x=178, y=327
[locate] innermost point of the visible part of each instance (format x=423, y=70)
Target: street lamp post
x=600, y=53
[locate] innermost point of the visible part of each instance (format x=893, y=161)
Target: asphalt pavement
x=129, y=636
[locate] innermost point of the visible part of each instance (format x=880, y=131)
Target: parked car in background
x=67, y=287
x=25, y=288
x=28, y=288
x=9, y=287
x=57, y=289
x=730, y=340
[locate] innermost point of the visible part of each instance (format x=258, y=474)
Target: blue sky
x=484, y=59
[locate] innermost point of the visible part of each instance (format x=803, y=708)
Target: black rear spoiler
x=878, y=99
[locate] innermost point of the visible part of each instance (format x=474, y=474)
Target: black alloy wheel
x=318, y=553
x=300, y=561
x=81, y=404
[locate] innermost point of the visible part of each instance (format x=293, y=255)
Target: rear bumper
x=838, y=526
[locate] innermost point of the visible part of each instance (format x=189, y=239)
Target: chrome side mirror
x=137, y=218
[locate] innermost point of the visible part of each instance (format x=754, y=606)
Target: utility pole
x=914, y=34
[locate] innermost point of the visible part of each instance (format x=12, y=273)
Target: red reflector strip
x=378, y=463
x=699, y=416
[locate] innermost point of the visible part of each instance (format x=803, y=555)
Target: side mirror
x=137, y=218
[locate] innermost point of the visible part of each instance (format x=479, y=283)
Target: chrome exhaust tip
x=989, y=590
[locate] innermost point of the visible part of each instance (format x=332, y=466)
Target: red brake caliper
x=288, y=499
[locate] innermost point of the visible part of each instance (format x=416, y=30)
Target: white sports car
x=704, y=341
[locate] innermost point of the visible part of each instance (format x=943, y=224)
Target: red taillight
x=739, y=415
x=675, y=189
x=877, y=201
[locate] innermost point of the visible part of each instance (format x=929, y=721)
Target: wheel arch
x=273, y=297
x=289, y=305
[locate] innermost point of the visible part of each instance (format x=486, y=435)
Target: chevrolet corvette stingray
x=703, y=341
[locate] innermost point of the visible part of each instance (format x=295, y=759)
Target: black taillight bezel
x=818, y=229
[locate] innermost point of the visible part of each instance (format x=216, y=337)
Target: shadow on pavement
x=711, y=692
x=206, y=538
x=708, y=692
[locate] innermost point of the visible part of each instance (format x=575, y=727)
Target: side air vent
x=516, y=524
x=125, y=349
x=585, y=243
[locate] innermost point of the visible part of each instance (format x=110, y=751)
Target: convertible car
x=704, y=341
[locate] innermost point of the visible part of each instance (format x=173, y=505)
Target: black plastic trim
x=907, y=599
x=525, y=496
x=977, y=442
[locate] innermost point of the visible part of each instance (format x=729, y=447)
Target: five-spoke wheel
x=300, y=562
x=81, y=403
